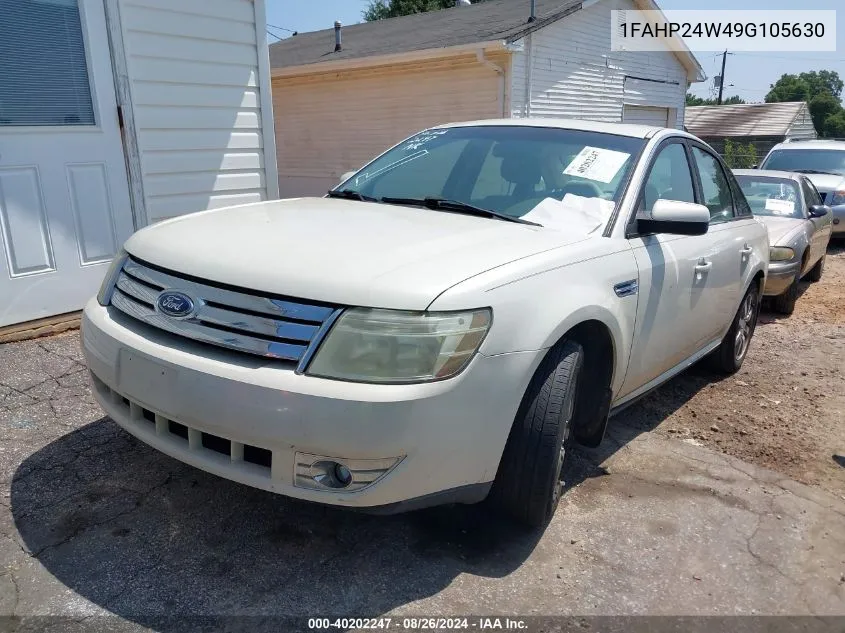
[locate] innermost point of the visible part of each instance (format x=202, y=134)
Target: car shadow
x=839, y=459
x=147, y=537
x=641, y=417
x=155, y=541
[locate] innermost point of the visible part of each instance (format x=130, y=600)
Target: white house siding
x=330, y=123
x=195, y=75
x=574, y=73
x=802, y=126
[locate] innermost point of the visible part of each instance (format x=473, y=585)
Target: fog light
x=340, y=474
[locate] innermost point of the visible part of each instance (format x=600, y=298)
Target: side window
x=714, y=186
x=740, y=202
x=669, y=178
x=811, y=194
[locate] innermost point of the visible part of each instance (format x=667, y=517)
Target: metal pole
x=722, y=78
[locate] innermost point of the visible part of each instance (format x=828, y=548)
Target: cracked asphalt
x=94, y=523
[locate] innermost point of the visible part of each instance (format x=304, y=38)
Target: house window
x=43, y=68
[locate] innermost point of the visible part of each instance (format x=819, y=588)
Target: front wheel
x=816, y=271
x=728, y=357
x=528, y=483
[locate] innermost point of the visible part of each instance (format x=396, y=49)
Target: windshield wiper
x=441, y=204
x=349, y=194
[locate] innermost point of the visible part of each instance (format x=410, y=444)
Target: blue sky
x=751, y=73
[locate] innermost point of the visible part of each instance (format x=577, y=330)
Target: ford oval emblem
x=175, y=304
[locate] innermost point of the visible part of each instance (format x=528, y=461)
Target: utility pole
x=722, y=78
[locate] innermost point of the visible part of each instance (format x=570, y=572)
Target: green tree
x=789, y=88
x=821, y=90
x=381, y=9
x=834, y=125
x=823, y=81
x=739, y=156
x=693, y=100
x=823, y=106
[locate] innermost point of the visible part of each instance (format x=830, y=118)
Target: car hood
x=340, y=251
x=826, y=183
x=781, y=229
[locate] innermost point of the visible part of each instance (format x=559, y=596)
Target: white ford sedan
x=442, y=324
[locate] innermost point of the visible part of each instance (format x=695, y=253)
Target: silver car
x=799, y=227
x=823, y=161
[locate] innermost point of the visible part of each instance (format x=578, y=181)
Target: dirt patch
x=785, y=409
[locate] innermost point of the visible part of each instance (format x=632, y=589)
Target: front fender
x=534, y=311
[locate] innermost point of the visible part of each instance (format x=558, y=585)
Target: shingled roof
x=746, y=119
x=482, y=22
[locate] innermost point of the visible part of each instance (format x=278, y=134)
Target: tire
x=728, y=357
x=528, y=483
x=784, y=303
x=816, y=271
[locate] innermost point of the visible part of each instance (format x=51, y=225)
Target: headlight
x=390, y=346
x=837, y=198
x=104, y=296
x=780, y=254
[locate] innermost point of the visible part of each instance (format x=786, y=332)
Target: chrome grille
x=273, y=328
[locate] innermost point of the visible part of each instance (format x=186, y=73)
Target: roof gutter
x=387, y=60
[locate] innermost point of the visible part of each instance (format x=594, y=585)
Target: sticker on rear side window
x=595, y=163
x=780, y=207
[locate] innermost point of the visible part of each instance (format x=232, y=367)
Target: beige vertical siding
x=194, y=75
x=330, y=123
x=575, y=74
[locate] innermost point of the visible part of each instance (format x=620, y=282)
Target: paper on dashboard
x=573, y=213
x=780, y=207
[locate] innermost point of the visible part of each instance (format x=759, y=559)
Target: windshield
x=829, y=161
x=772, y=196
x=507, y=169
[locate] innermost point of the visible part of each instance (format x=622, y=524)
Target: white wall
x=802, y=126
x=197, y=70
x=574, y=73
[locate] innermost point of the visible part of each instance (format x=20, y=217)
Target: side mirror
x=676, y=217
x=819, y=210
x=347, y=176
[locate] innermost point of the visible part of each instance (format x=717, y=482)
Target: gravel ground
x=785, y=409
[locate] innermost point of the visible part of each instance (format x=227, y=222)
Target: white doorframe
x=129, y=136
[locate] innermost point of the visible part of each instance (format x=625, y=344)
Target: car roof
x=622, y=129
x=768, y=173
x=812, y=144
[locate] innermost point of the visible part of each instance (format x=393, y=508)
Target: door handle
x=746, y=250
x=702, y=267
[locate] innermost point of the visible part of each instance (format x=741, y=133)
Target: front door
x=678, y=310
x=64, y=198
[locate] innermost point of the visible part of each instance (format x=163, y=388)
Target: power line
x=794, y=59
x=272, y=34
x=281, y=28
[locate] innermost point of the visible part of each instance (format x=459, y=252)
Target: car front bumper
x=447, y=437
x=780, y=276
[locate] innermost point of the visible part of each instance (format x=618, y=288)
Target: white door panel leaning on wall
x=64, y=200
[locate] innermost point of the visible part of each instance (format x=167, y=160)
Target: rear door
x=680, y=277
x=728, y=249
